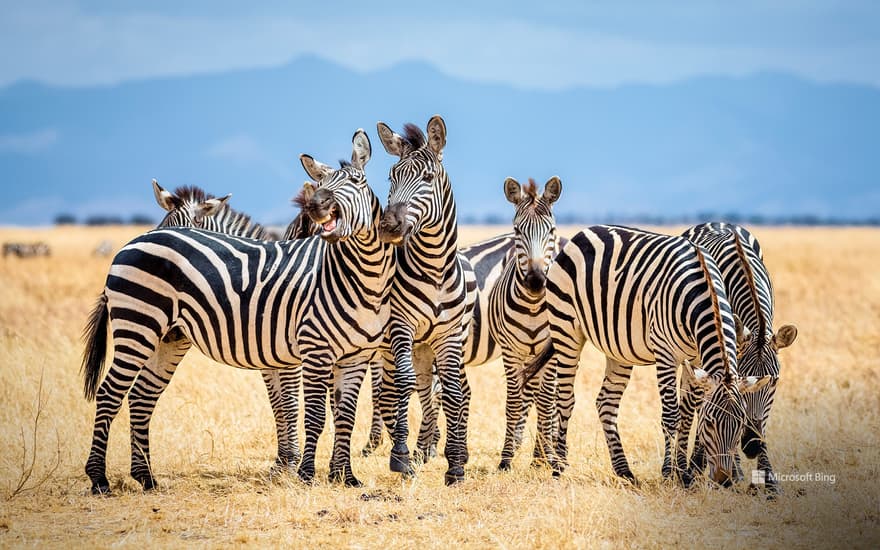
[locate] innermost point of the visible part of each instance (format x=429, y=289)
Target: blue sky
x=555, y=45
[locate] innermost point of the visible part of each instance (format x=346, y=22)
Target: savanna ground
x=213, y=437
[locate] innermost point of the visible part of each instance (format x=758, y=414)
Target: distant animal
x=642, y=299
x=26, y=250
x=750, y=292
x=104, y=248
x=322, y=302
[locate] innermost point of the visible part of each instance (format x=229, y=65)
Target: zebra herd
x=352, y=287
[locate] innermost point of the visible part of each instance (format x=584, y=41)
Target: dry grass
x=213, y=437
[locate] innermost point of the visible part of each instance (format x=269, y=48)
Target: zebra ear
x=212, y=206
x=512, y=190
x=698, y=377
x=165, y=199
x=316, y=170
x=751, y=384
x=552, y=189
x=742, y=332
x=360, y=149
x=393, y=143
x=785, y=337
x=437, y=135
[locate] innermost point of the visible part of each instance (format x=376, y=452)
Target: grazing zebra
x=104, y=248
x=190, y=206
x=739, y=257
x=642, y=299
x=26, y=250
x=322, y=302
x=429, y=290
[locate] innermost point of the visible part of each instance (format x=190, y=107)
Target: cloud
x=595, y=46
x=28, y=143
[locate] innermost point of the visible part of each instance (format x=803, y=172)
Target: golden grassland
x=213, y=437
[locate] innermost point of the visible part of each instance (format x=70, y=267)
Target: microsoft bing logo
x=759, y=477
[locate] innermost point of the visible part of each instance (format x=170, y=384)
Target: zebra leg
x=567, y=357
x=514, y=410
x=376, y=425
x=315, y=388
x=608, y=404
x=346, y=386
x=771, y=484
x=544, y=396
x=690, y=400
x=448, y=354
x=128, y=360
x=465, y=413
x=670, y=416
x=398, y=400
x=147, y=388
x=283, y=387
x=429, y=432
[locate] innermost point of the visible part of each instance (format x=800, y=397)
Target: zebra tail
x=95, y=336
x=534, y=366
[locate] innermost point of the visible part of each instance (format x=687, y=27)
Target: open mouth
x=328, y=222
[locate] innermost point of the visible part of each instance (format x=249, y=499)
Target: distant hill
x=762, y=146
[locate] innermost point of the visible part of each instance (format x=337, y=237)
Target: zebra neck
x=433, y=251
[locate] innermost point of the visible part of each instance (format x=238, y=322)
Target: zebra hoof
x=399, y=461
x=147, y=482
x=504, y=466
x=344, y=477
x=306, y=474
x=371, y=446
x=454, y=476
x=102, y=490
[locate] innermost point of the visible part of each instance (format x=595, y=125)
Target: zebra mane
x=344, y=163
x=413, y=135
x=716, y=314
x=193, y=193
x=531, y=189
x=753, y=291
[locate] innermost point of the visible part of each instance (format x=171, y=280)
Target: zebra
x=429, y=291
x=644, y=298
x=517, y=312
x=27, y=250
x=190, y=206
x=322, y=302
x=747, y=281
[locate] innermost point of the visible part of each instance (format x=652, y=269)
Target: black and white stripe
x=643, y=298
x=750, y=292
x=322, y=302
x=429, y=290
x=483, y=263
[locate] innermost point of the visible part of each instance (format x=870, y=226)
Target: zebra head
x=722, y=417
x=418, y=180
x=758, y=357
x=188, y=207
x=534, y=227
x=340, y=201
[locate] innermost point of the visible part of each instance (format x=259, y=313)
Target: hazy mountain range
x=765, y=145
